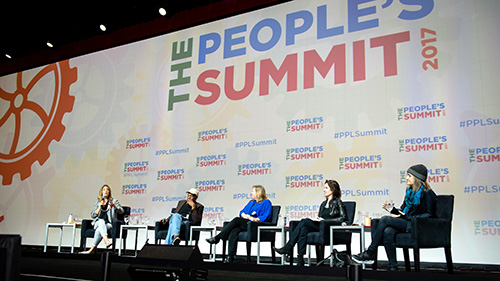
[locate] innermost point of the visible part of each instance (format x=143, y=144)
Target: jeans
x=231, y=231
x=101, y=229
x=385, y=234
x=174, y=227
x=299, y=235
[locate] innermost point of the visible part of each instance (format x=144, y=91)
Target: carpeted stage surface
x=36, y=265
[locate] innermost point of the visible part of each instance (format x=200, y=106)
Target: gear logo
x=19, y=154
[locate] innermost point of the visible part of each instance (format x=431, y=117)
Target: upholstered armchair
x=87, y=229
x=321, y=238
x=250, y=235
x=161, y=231
x=427, y=233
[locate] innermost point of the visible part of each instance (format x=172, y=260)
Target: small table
x=212, y=230
x=61, y=226
x=135, y=227
x=350, y=228
x=270, y=229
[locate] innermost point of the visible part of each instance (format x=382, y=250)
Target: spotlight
x=162, y=11
x=49, y=44
x=8, y=56
x=102, y=27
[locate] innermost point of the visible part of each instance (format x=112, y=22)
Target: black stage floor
x=36, y=265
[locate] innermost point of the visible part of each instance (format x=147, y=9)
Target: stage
x=37, y=265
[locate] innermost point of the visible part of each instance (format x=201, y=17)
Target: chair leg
x=406, y=255
x=83, y=243
x=449, y=261
x=224, y=242
x=375, y=264
x=416, y=259
x=273, y=254
x=320, y=253
x=348, y=249
x=113, y=247
x=249, y=251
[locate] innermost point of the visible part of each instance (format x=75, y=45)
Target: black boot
x=213, y=240
x=300, y=260
x=283, y=251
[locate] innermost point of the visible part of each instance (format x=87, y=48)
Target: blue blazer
x=261, y=210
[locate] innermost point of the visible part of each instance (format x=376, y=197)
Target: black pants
x=385, y=234
x=299, y=234
x=230, y=232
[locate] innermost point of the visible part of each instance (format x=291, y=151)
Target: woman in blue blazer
x=257, y=209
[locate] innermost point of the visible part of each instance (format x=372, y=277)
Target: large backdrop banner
x=287, y=97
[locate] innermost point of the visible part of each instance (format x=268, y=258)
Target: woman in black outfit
x=419, y=201
x=332, y=209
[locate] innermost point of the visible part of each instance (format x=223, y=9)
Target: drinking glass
x=390, y=205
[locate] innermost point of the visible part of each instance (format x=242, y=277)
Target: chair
x=426, y=233
x=250, y=235
x=322, y=238
x=88, y=231
x=161, y=231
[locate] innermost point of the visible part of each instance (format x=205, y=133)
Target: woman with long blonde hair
x=104, y=213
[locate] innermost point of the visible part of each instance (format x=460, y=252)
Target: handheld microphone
x=105, y=205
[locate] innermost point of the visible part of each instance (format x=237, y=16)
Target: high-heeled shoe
x=283, y=251
x=90, y=251
x=213, y=240
x=109, y=244
x=229, y=259
x=300, y=261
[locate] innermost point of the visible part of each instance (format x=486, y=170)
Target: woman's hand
x=112, y=204
x=384, y=205
x=245, y=216
x=103, y=202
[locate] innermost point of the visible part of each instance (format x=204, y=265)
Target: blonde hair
x=260, y=191
x=99, y=197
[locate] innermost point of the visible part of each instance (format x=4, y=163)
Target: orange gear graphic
x=20, y=160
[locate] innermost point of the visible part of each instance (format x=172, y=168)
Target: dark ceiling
x=25, y=27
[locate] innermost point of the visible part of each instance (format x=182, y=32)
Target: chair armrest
x=373, y=226
x=252, y=225
x=431, y=232
x=115, y=230
x=160, y=226
x=292, y=225
x=252, y=228
x=86, y=224
x=324, y=228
